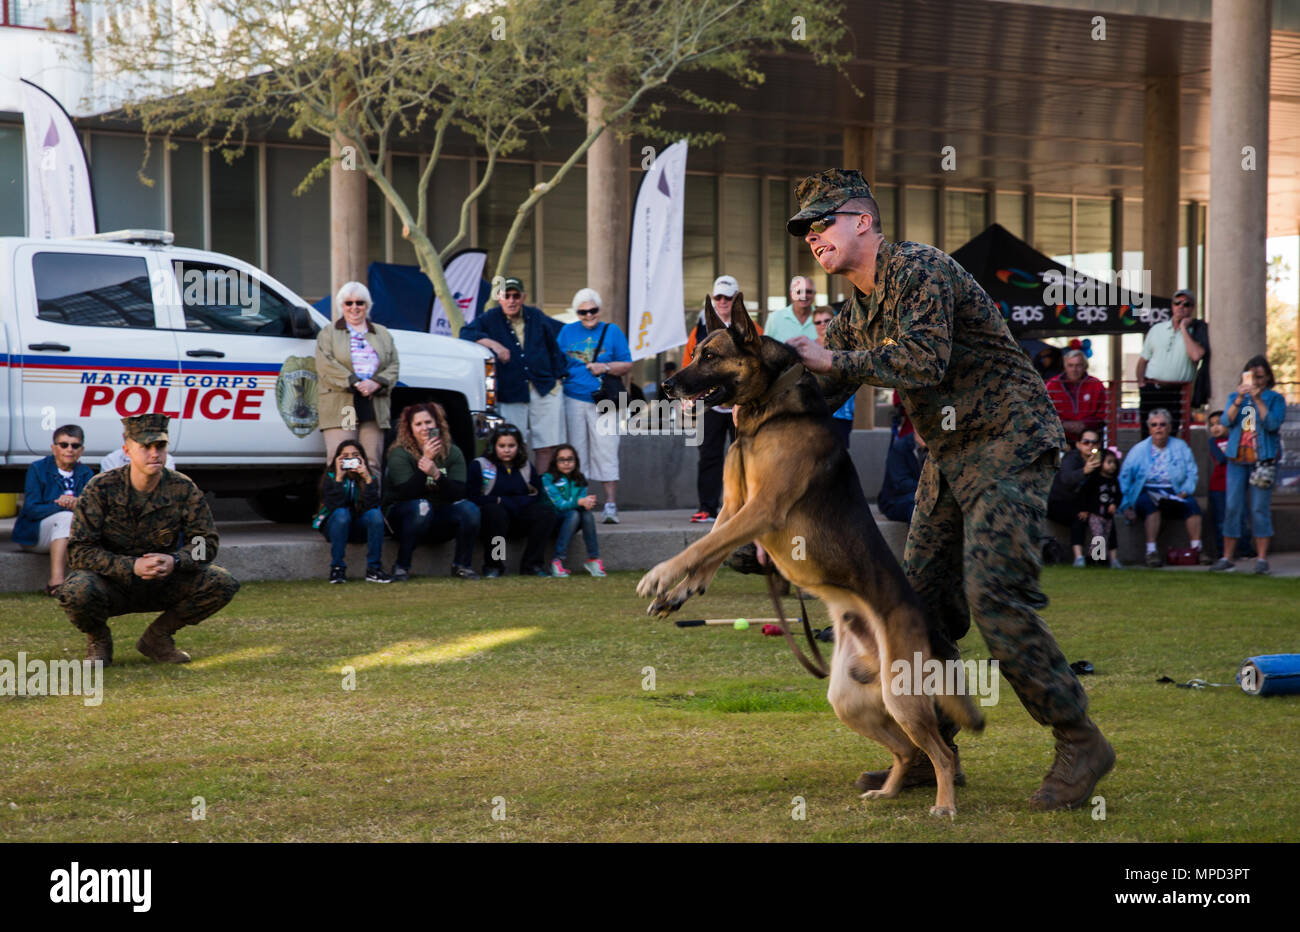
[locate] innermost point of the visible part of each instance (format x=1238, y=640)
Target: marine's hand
x=815, y=358
x=154, y=566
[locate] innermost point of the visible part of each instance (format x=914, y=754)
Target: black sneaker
x=377, y=574
x=491, y=572
x=338, y=574
x=400, y=574
x=463, y=572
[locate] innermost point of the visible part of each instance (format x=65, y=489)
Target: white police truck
x=98, y=328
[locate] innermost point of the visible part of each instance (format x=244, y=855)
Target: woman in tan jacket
x=356, y=369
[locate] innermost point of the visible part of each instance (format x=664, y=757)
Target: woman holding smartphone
x=424, y=495
x=1254, y=416
x=349, y=494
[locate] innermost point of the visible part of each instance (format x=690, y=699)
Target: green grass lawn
x=526, y=696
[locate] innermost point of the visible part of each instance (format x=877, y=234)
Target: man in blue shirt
x=49, y=497
x=530, y=368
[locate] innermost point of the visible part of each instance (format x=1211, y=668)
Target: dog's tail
x=962, y=710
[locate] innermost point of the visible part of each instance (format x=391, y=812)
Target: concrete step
x=254, y=550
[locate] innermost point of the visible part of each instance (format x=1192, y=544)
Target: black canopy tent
x=1040, y=297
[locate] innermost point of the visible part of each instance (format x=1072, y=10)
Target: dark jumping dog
x=789, y=484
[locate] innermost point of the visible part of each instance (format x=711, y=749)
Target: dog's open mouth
x=709, y=395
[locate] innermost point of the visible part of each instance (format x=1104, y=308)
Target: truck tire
x=287, y=504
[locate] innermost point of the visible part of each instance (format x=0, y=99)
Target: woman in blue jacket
x=1254, y=415
x=49, y=497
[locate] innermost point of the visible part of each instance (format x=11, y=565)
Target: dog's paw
x=654, y=582
x=877, y=794
x=941, y=811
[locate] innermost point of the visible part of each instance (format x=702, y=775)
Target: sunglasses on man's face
x=1158, y=425
x=723, y=297
x=827, y=220
x=66, y=445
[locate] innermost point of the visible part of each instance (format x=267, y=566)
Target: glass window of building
x=920, y=205
x=187, y=195
x=447, y=192
x=406, y=181
x=298, y=226
x=233, y=195
x=13, y=220
x=1132, y=235
x=699, y=242
x=497, y=207
x=964, y=218
x=778, y=242
x=1052, y=228
x=564, y=241
x=1092, y=246
x=741, y=230
x=89, y=290
x=122, y=201
x=1010, y=212
x=887, y=200
x=376, y=211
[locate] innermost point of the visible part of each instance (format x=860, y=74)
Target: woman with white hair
x=594, y=348
x=356, y=369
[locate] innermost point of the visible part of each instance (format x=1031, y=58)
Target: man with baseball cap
x=143, y=540
x=919, y=323
x=718, y=428
x=530, y=368
x=1171, y=351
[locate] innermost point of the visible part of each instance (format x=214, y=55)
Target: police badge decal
x=295, y=394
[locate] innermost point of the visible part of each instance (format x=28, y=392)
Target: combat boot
x=99, y=645
x=920, y=773
x=1083, y=757
x=156, y=643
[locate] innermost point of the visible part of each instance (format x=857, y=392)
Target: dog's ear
x=712, y=321
x=743, y=330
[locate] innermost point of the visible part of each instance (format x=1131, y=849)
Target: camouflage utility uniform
x=114, y=524
x=930, y=331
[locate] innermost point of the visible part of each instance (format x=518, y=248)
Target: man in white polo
x=796, y=318
x=1170, y=352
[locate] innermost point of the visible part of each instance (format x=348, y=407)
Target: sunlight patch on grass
x=420, y=652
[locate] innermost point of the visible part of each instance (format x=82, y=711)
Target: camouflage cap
x=145, y=428
x=821, y=193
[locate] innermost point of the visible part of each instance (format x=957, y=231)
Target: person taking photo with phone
x=349, y=495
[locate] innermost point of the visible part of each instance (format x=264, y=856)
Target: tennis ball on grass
x=740, y=624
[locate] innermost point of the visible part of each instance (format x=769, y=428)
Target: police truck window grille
x=93, y=290
x=222, y=300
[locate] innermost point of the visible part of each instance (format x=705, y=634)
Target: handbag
x=611, y=386
x=1264, y=474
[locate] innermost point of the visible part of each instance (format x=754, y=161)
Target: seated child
x=567, y=487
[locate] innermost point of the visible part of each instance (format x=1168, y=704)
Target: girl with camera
x=349, y=495
x=425, y=493
x=508, y=493
x=567, y=488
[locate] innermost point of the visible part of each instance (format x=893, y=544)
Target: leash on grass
x=816, y=667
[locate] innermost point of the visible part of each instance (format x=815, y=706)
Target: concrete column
x=860, y=153
x=609, y=213
x=1239, y=71
x=1160, y=171
x=347, y=221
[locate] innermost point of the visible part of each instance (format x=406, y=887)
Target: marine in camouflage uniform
x=115, y=524
x=930, y=331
